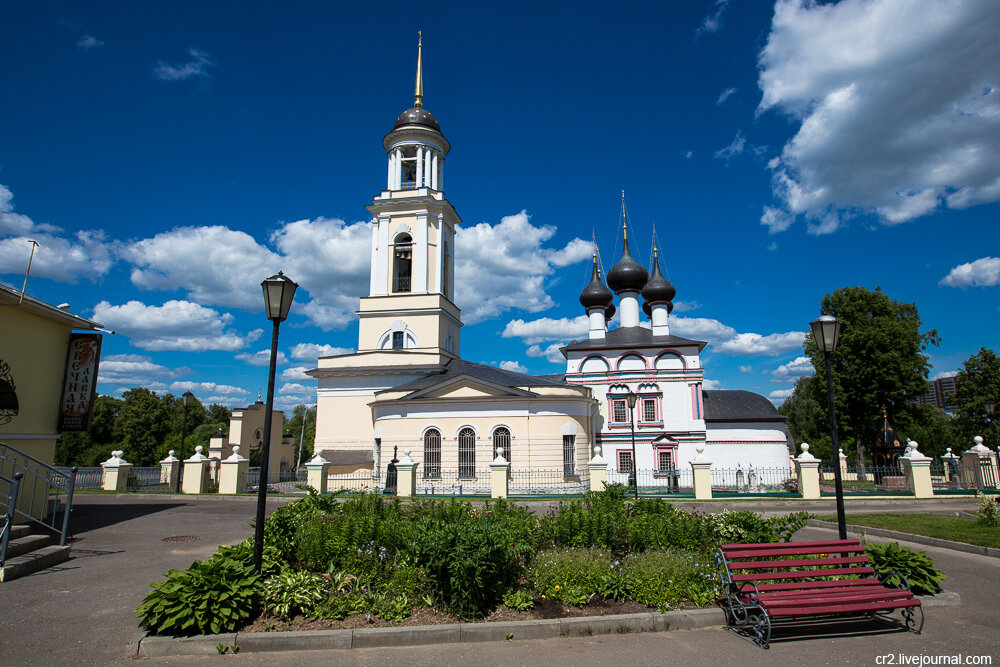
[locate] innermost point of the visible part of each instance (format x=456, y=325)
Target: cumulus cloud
x=701, y=328
x=711, y=384
x=218, y=390
x=506, y=266
x=753, y=344
x=134, y=370
x=713, y=22
x=547, y=329
x=795, y=368
x=196, y=66
x=735, y=147
x=746, y=369
x=984, y=272
x=176, y=325
x=725, y=95
x=550, y=353
x=514, y=366
x=684, y=306
x=897, y=104
x=296, y=373
x=88, y=42
x=778, y=396
x=313, y=351
x=944, y=374
x=295, y=388
x=261, y=358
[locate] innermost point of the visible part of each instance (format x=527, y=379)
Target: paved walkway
x=81, y=612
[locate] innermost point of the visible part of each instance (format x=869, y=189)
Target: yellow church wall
x=346, y=422
x=386, y=358
x=246, y=428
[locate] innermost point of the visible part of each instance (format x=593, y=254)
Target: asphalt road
x=81, y=612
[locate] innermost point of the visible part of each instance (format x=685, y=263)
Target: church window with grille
x=624, y=461
x=402, y=263
x=501, y=442
x=569, y=455
x=649, y=410
x=619, y=410
x=432, y=454
x=466, y=454
x=398, y=340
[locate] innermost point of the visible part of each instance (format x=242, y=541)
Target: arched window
x=432, y=454
x=501, y=442
x=466, y=454
x=402, y=263
x=445, y=279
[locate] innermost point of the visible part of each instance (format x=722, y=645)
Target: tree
x=933, y=428
x=143, y=424
x=218, y=414
x=977, y=382
x=879, y=361
x=307, y=415
x=80, y=447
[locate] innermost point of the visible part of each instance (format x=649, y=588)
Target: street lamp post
x=990, y=406
x=826, y=332
x=279, y=290
x=633, y=478
x=186, y=400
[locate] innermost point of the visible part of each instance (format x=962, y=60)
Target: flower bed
x=336, y=562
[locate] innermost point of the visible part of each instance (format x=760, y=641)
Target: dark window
x=649, y=409
x=403, y=263
x=569, y=455
x=665, y=459
x=501, y=442
x=624, y=461
x=397, y=340
x=619, y=410
x=432, y=454
x=466, y=454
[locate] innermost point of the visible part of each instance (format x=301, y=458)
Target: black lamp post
x=990, y=406
x=633, y=478
x=186, y=400
x=279, y=290
x=826, y=332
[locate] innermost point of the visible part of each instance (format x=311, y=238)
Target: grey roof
x=558, y=378
x=631, y=337
x=350, y=457
x=738, y=405
x=12, y=297
x=456, y=368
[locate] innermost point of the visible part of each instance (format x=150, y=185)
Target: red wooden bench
x=788, y=581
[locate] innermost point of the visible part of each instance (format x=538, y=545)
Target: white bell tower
x=412, y=285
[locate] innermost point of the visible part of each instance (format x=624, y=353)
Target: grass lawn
x=957, y=528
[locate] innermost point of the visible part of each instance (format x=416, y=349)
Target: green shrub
x=571, y=576
x=283, y=524
x=916, y=566
x=271, y=560
x=293, y=592
x=368, y=523
x=339, y=607
x=989, y=513
x=218, y=595
x=599, y=519
x=746, y=527
x=519, y=600
x=665, y=579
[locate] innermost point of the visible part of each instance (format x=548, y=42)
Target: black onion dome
x=609, y=312
x=670, y=307
x=658, y=289
x=627, y=274
x=596, y=294
x=646, y=308
x=417, y=116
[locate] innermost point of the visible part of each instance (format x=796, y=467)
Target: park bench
x=789, y=582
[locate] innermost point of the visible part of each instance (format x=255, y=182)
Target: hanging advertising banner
x=80, y=383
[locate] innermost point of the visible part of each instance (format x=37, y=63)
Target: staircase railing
x=42, y=487
x=8, y=518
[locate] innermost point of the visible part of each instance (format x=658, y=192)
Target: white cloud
x=88, y=42
x=735, y=147
x=684, y=306
x=514, y=366
x=984, y=272
x=197, y=66
x=550, y=353
x=295, y=388
x=547, y=329
x=776, y=219
x=261, y=358
x=751, y=344
x=710, y=384
x=944, y=374
x=797, y=367
x=295, y=373
x=701, y=328
x=313, y=351
x=746, y=369
x=505, y=266
x=898, y=105
x=778, y=396
x=134, y=370
x=218, y=390
x=713, y=22
x=688, y=155
x=176, y=325
x=725, y=95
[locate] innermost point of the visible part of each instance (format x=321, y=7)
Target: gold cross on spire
x=418, y=91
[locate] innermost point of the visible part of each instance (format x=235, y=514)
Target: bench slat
x=804, y=562
x=844, y=609
x=814, y=585
x=794, y=551
x=826, y=600
x=777, y=545
x=818, y=592
x=802, y=574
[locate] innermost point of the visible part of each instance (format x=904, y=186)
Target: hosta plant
x=916, y=566
x=218, y=595
x=290, y=593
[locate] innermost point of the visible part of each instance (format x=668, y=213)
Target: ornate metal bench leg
x=760, y=625
x=909, y=618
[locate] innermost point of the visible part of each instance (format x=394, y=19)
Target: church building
x=407, y=386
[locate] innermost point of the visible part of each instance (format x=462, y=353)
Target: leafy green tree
x=933, y=428
x=977, y=382
x=78, y=448
x=218, y=414
x=879, y=361
x=143, y=424
x=303, y=414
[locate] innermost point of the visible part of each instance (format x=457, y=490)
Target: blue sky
x=168, y=158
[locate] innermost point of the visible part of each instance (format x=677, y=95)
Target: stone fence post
x=406, y=482
x=116, y=470
x=950, y=465
x=170, y=467
x=701, y=470
x=196, y=472
x=917, y=469
x=317, y=476
x=807, y=470
x=598, y=471
x=498, y=476
x=973, y=460
x=233, y=472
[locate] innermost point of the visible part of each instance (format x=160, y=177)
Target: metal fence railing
x=449, y=483
x=753, y=480
x=655, y=482
x=283, y=481
x=869, y=479
x=87, y=478
x=44, y=494
x=545, y=482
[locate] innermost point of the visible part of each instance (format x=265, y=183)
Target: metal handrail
x=8, y=518
x=46, y=481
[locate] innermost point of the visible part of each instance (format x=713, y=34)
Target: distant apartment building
x=943, y=393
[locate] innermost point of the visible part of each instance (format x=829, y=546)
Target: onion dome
x=609, y=312
x=417, y=116
x=658, y=289
x=646, y=308
x=670, y=307
x=628, y=274
x=596, y=295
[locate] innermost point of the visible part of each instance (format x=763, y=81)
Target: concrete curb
x=260, y=642
x=992, y=552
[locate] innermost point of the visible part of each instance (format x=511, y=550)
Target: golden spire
x=418, y=91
